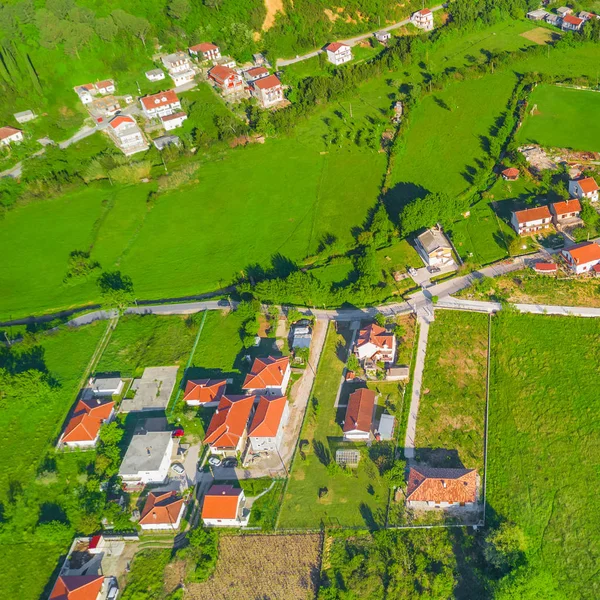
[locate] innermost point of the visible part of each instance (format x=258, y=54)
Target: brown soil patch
x=256, y=567
x=273, y=7
x=299, y=475
x=330, y=15
x=539, y=35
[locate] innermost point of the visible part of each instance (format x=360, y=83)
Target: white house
x=375, y=343
x=572, y=23
x=155, y=75
x=106, y=386
x=25, y=116
x=531, y=220
x=358, y=422
x=383, y=36
x=178, y=62
x=267, y=90
x=538, y=15
x=126, y=134
x=423, y=19
x=205, y=51
x=255, y=73
x=266, y=429
x=223, y=506
x=10, y=135
x=338, y=53
x=105, y=87
x=173, y=121
x=582, y=257
x=162, y=511
x=183, y=78
x=226, y=79
x=147, y=459
x=584, y=188
x=82, y=430
x=161, y=104
x=269, y=376
x=86, y=92
x=434, y=248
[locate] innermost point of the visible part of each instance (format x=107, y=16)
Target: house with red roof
x=338, y=53
x=161, y=104
x=162, y=510
x=270, y=418
x=268, y=376
x=572, y=23
x=358, y=422
x=228, y=429
x=223, y=506
x=83, y=428
x=566, y=213
x=226, y=79
x=585, y=187
x=78, y=587
x=107, y=86
x=581, y=258
x=545, y=268
x=255, y=73
x=267, y=90
x=204, y=392
x=429, y=488
x=10, y=135
x=170, y=122
x=375, y=343
x=531, y=220
x=423, y=19
x=126, y=135
x=510, y=174
x=205, y=51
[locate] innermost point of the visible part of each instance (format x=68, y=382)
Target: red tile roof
x=425, y=12
x=257, y=71
x=588, y=185
x=8, y=131
x=511, y=172
x=441, y=485
x=359, y=414
x=266, y=372
x=87, y=419
x=221, y=502
x=375, y=334
x=164, y=99
x=566, y=207
x=80, y=587
x=267, y=417
x=335, y=46
x=228, y=424
x=161, y=509
x=173, y=116
x=572, y=20
x=120, y=120
x=221, y=73
x=204, y=390
x=267, y=82
x=104, y=84
x=584, y=253
x=533, y=214
x=545, y=266
x=203, y=47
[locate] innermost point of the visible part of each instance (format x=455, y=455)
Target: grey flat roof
x=145, y=452
x=106, y=383
x=386, y=426
x=432, y=239
x=24, y=113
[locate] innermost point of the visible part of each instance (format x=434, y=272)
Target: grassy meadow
x=450, y=425
x=356, y=498
x=30, y=428
x=544, y=445
x=557, y=109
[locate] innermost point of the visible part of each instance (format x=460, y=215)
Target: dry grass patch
x=273, y=7
x=539, y=35
x=276, y=567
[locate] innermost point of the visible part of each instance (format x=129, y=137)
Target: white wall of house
x=14, y=138
x=357, y=436
x=165, y=526
x=157, y=476
x=161, y=110
x=581, y=268
x=171, y=124
x=340, y=56
x=529, y=226
x=575, y=190
x=183, y=77
x=269, y=97
x=271, y=444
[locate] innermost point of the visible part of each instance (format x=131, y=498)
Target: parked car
x=178, y=468
x=214, y=461
x=223, y=303
x=412, y=271
x=230, y=463
x=433, y=269
x=178, y=433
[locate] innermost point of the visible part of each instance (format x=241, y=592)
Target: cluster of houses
x=11, y=135
x=563, y=18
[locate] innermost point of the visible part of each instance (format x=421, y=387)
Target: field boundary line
x=487, y=413
x=189, y=362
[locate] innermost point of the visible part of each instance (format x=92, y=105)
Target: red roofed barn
x=227, y=431
x=266, y=430
x=358, y=423
x=162, y=511
x=268, y=376
x=441, y=488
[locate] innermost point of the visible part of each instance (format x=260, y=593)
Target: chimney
x=443, y=484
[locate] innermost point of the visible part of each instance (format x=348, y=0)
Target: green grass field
x=557, y=109
x=450, y=425
x=30, y=427
x=354, y=499
x=543, y=447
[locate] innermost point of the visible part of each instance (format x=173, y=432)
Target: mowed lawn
x=557, y=109
x=355, y=499
x=29, y=429
x=544, y=444
x=450, y=424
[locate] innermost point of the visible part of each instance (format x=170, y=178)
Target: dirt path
x=273, y=7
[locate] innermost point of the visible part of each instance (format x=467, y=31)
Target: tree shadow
x=441, y=103
x=367, y=514
x=322, y=452
x=51, y=512
x=396, y=198
x=439, y=458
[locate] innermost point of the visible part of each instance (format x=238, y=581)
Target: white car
x=178, y=468
x=214, y=461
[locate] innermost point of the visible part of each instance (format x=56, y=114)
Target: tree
x=80, y=265
x=365, y=265
x=60, y=8
x=505, y=547
x=395, y=475
x=116, y=289
x=434, y=208
x=178, y=9
x=381, y=227
x=106, y=29
x=380, y=319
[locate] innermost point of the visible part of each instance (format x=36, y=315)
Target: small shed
x=24, y=116
x=301, y=337
x=563, y=11
x=383, y=36
x=385, y=429
x=397, y=373
x=166, y=140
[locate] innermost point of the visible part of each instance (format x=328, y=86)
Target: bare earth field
x=276, y=567
x=540, y=35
